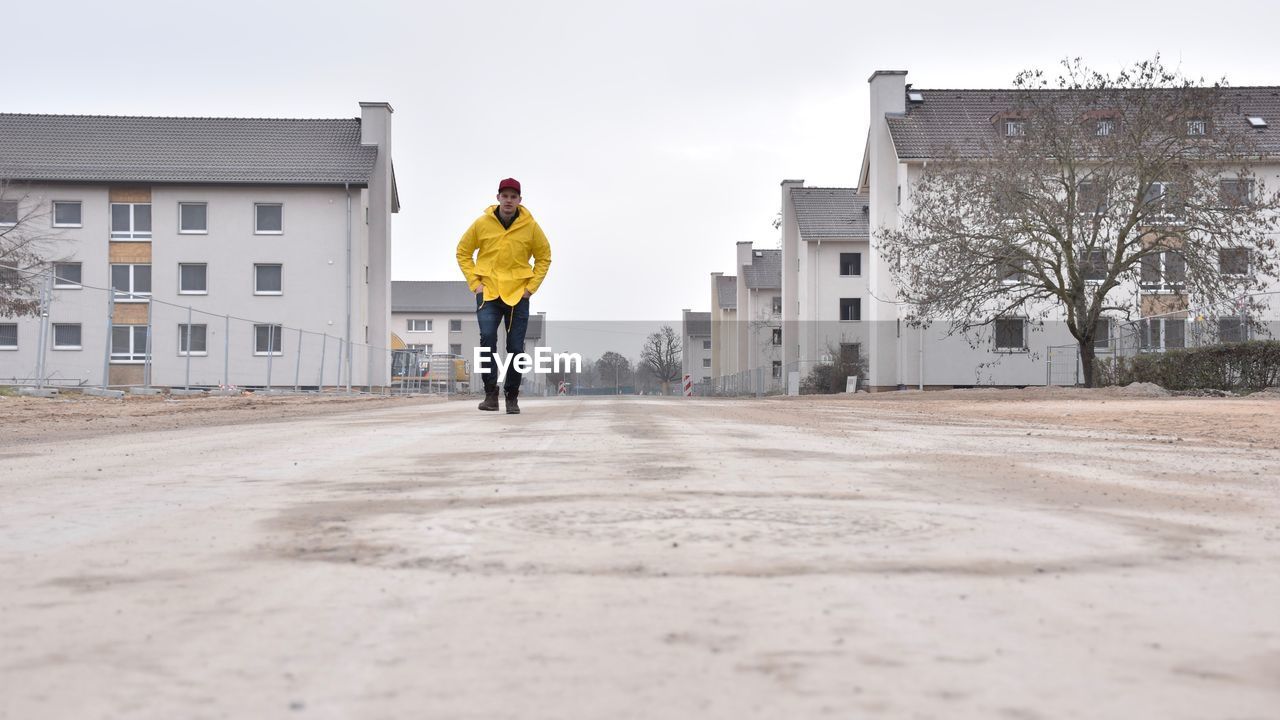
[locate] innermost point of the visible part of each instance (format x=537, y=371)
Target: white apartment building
x=724, y=326
x=438, y=317
x=759, y=310
x=229, y=245
x=695, y=357
x=836, y=286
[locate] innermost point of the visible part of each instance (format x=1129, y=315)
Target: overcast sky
x=649, y=136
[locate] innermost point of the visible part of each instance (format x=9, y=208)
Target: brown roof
x=831, y=213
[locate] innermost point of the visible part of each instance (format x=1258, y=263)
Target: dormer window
x=1104, y=128
x=1015, y=128
x=1197, y=127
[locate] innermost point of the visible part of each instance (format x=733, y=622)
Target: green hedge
x=1238, y=367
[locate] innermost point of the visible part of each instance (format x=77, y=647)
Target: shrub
x=829, y=378
x=1245, y=366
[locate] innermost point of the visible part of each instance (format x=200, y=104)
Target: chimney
x=375, y=129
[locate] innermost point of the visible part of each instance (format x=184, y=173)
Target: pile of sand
x=1142, y=389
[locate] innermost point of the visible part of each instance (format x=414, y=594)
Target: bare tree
x=1086, y=189
x=661, y=356
x=24, y=243
x=614, y=369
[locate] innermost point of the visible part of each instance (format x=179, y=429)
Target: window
x=1197, y=127
x=1231, y=329
x=1093, y=265
x=1091, y=198
x=129, y=343
x=66, y=213
x=1233, y=261
x=193, y=279
x=455, y=350
x=706, y=344
x=419, y=326
x=850, y=264
x=776, y=306
x=1015, y=128
x=429, y=349
x=267, y=336
x=130, y=221
x=268, y=280
x=706, y=362
x=268, y=218
x=1102, y=334
x=9, y=277
x=191, y=339
x=1235, y=192
x=1011, y=334
x=849, y=353
x=915, y=96
x=132, y=283
x=1163, y=333
x=411, y=347
x=777, y=336
x=66, y=275
x=66, y=336
x=1163, y=271
x=1162, y=199
x=8, y=336
x=1104, y=128
x=455, y=326
x=1257, y=122
x=1012, y=271
x=850, y=309
x=193, y=218
x=8, y=212
x=777, y=370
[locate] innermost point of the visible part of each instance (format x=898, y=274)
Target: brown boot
x=490, y=400
x=513, y=406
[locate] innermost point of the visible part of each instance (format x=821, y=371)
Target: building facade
x=695, y=356
x=203, y=251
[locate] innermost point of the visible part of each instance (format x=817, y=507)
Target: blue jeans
x=490, y=313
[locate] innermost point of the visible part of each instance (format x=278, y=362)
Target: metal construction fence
x=88, y=336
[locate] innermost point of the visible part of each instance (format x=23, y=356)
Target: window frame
x=453, y=322
x=1102, y=341
x=16, y=339
x=277, y=337
x=706, y=344
x=426, y=325
x=1196, y=127
x=132, y=234
x=54, y=336
x=775, y=338
x=204, y=265
x=1145, y=343
x=184, y=333
x=17, y=213
x=256, y=227
x=1006, y=349
x=131, y=295
x=1247, y=262
x=183, y=231
x=132, y=357
x=1162, y=285
x=856, y=304
x=1089, y=266
x=455, y=345
x=1015, y=128
x=78, y=285
x=1104, y=127
x=858, y=259
x=775, y=305
x=256, y=291
x=1241, y=327
x=53, y=214
x=706, y=362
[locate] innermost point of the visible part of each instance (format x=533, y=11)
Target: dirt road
x=651, y=558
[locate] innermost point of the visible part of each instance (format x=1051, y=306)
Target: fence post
x=1048, y=367
x=271, y=350
x=106, y=354
x=297, y=370
x=46, y=299
x=324, y=342
x=146, y=367
x=226, y=352
x=338, y=385
x=188, y=335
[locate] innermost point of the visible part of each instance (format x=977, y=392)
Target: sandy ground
x=958, y=555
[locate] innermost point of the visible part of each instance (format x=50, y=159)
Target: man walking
x=506, y=236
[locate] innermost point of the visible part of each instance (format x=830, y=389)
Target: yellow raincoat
x=503, y=262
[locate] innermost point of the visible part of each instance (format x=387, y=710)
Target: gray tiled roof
x=697, y=324
x=727, y=291
x=960, y=122
x=447, y=296
x=831, y=213
x=765, y=270
x=175, y=149
x=432, y=296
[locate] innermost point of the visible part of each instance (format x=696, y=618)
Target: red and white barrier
x=688, y=385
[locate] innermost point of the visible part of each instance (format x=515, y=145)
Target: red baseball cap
x=509, y=184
